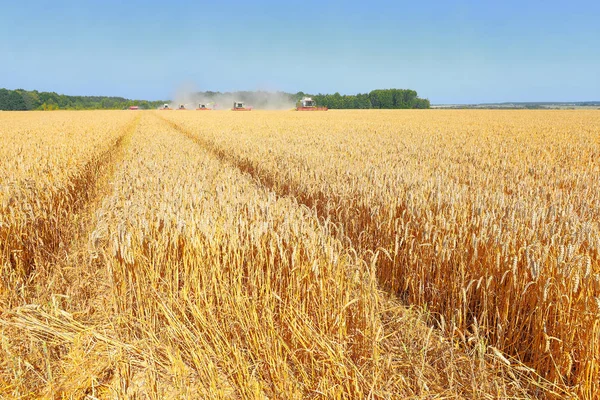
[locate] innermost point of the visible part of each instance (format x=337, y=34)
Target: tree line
x=19, y=99
x=377, y=99
x=23, y=100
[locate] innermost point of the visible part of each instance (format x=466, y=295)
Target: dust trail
x=190, y=97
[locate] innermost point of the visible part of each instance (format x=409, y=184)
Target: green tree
x=4, y=99
x=362, y=101
x=15, y=102
x=32, y=101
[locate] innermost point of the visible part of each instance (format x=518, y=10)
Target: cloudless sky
x=448, y=51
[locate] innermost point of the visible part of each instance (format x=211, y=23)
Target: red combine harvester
x=239, y=106
x=182, y=107
x=308, y=104
x=165, y=107
x=203, y=107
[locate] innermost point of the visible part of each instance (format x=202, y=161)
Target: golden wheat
x=273, y=254
x=454, y=200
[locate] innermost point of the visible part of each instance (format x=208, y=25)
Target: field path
x=81, y=269
x=49, y=218
x=59, y=276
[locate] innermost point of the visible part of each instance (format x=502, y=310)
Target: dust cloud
x=188, y=96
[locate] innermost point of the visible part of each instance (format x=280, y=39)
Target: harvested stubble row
x=489, y=218
x=49, y=162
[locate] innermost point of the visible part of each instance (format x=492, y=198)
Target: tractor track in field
x=319, y=202
x=58, y=234
x=349, y=227
x=64, y=286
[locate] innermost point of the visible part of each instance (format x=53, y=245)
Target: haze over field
x=190, y=96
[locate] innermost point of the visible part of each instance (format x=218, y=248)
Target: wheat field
x=288, y=255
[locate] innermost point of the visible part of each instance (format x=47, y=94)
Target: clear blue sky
x=449, y=51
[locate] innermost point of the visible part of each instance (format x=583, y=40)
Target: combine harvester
x=239, y=106
x=182, y=107
x=203, y=107
x=165, y=107
x=308, y=104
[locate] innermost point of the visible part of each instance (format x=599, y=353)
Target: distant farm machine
x=203, y=107
x=308, y=104
x=239, y=106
